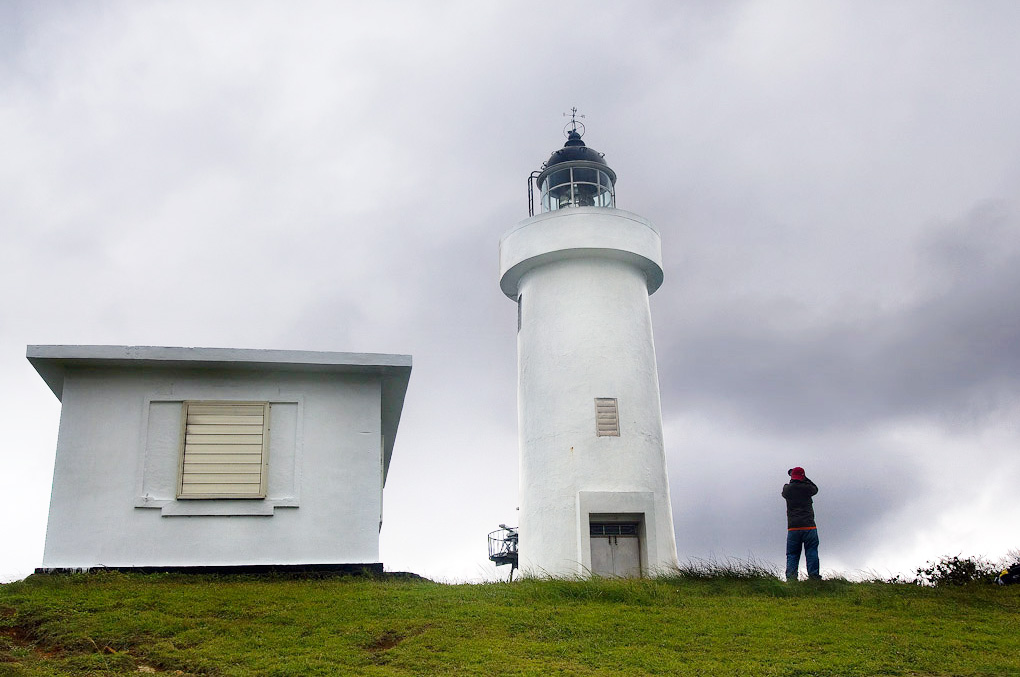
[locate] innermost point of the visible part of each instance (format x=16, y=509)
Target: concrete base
x=374, y=569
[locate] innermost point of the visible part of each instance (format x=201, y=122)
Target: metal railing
x=503, y=547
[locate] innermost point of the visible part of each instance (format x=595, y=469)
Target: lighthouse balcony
x=579, y=232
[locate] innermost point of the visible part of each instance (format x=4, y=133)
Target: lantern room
x=576, y=176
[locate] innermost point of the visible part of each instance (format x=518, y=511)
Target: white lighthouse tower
x=594, y=495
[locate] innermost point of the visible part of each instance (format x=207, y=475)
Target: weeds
x=956, y=570
x=730, y=569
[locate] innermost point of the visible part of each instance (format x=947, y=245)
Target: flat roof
x=50, y=361
x=394, y=370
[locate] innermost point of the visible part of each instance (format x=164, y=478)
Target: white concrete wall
x=114, y=484
x=586, y=332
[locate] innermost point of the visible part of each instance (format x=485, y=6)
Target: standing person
x=800, y=524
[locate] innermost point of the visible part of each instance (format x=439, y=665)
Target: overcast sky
x=835, y=184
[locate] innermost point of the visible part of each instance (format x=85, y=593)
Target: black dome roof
x=574, y=149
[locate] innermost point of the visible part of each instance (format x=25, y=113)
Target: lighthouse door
x=615, y=550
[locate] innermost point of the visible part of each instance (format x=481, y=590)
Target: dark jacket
x=799, y=511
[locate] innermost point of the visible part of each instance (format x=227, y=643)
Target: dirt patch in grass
x=23, y=638
x=389, y=639
x=386, y=640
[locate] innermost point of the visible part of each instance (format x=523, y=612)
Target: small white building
x=208, y=457
x=594, y=488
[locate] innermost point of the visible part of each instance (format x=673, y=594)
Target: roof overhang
x=394, y=371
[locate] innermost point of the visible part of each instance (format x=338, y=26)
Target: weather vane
x=573, y=122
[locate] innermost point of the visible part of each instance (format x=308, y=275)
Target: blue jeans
x=794, y=540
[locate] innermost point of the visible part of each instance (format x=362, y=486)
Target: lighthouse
x=594, y=493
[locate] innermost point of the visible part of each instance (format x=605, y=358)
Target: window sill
x=240, y=507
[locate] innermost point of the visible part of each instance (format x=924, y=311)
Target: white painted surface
x=579, y=232
x=114, y=484
x=583, y=276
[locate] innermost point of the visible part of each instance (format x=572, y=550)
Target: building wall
x=582, y=279
x=114, y=484
x=585, y=333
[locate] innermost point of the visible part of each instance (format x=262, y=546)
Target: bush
x=956, y=570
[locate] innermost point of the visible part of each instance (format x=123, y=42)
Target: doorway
x=615, y=549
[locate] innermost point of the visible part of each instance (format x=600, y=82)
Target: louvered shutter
x=607, y=417
x=225, y=449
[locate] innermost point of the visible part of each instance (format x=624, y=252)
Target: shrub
x=956, y=570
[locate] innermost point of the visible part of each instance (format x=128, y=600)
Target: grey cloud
x=727, y=502
x=953, y=351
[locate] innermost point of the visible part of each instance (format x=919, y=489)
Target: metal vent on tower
x=614, y=529
x=607, y=417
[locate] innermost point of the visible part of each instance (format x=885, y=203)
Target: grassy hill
x=111, y=623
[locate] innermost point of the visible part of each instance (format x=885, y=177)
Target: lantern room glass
x=577, y=187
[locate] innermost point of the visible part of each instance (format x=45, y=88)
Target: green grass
x=109, y=623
